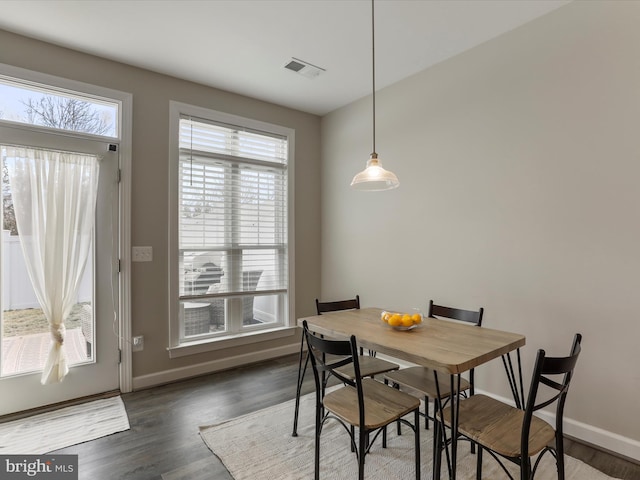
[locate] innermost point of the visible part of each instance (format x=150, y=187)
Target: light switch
x=141, y=254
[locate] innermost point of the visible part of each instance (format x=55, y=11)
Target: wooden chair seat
x=369, y=366
x=421, y=380
x=498, y=426
x=382, y=404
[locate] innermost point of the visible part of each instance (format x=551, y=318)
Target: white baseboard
x=167, y=376
x=612, y=442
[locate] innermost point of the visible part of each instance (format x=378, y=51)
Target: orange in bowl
x=395, y=320
x=407, y=320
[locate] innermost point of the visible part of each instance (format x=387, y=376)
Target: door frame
x=124, y=192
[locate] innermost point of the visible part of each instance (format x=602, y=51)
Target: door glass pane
x=25, y=331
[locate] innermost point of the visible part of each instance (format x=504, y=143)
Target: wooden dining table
x=448, y=347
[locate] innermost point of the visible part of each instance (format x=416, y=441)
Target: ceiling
x=242, y=45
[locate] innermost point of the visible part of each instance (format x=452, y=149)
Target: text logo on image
x=50, y=467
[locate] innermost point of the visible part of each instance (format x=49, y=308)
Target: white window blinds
x=232, y=209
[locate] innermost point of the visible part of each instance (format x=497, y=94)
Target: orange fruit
x=416, y=317
x=406, y=320
x=395, y=320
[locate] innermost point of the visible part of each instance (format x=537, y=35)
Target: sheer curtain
x=54, y=197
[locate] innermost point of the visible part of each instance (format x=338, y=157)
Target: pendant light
x=374, y=177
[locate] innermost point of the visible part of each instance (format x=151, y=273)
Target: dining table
x=447, y=347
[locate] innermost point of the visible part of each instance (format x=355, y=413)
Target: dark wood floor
x=164, y=443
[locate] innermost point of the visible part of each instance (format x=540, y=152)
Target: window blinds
x=232, y=206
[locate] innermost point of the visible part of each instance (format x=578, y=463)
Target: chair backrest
x=351, y=304
x=329, y=355
x=470, y=316
x=211, y=274
x=544, y=368
x=250, y=279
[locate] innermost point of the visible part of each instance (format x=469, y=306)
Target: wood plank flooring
x=164, y=444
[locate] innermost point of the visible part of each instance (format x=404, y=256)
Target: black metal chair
x=516, y=434
x=362, y=404
x=421, y=379
x=370, y=365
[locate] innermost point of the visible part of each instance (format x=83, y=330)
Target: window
x=232, y=226
x=55, y=108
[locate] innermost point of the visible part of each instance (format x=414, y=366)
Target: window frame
x=179, y=347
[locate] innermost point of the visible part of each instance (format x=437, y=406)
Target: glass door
x=91, y=339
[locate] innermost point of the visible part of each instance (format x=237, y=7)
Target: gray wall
x=518, y=167
x=151, y=95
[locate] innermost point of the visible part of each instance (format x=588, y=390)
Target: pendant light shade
x=374, y=178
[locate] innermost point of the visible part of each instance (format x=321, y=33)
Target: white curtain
x=54, y=197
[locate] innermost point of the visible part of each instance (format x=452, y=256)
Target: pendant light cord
x=374, y=177
x=373, y=76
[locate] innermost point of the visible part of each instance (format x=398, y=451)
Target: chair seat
x=497, y=426
x=382, y=404
x=369, y=366
x=422, y=380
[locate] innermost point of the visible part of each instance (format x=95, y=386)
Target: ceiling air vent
x=303, y=68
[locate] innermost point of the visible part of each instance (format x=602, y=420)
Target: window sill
x=210, y=345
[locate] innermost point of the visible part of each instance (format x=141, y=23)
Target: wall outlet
x=137, y=345
x=141, y=254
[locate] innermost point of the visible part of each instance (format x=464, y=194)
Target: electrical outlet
x=141, y=254
x=138, y=343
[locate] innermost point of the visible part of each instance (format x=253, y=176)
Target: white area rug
x=260, y=446
x=47, y=432
x=27, y=353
